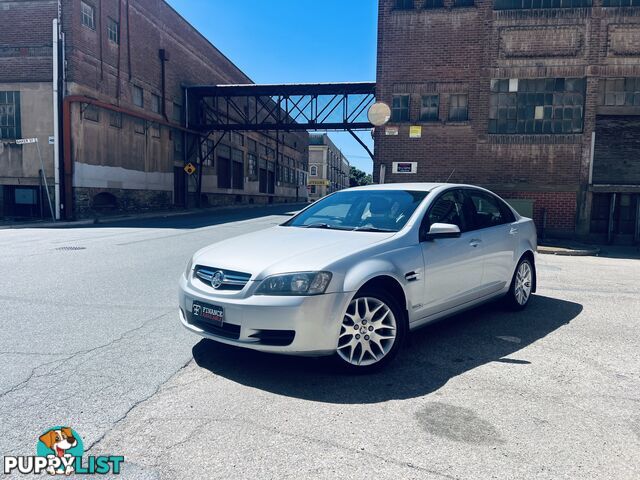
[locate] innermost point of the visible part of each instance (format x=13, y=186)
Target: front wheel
x=373, y=329
x=521, y=285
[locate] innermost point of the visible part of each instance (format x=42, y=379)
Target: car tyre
x=372, y=331
x=521, y=288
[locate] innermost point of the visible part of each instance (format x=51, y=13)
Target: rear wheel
x=521, y=285
x=373, y=329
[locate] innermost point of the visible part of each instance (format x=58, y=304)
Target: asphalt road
x=90, y=338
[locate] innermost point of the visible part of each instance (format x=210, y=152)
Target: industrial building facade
x=123, y=133
x=329, y=169
x=538, y=100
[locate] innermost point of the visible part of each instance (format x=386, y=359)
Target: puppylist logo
x=60, y=451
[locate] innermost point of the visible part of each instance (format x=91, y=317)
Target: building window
x=207, y=153
x=138, y=96
x=463, y=3
x=252, y=166
x=621, y=3
x=156, y=103
x=314, y=171
x=237, y=172
x=404, y=4
x=115, y=119
x=10, y=115
x=224, y=166
x=253, y=145
x=458, y=108
x=237, y=138
x=429, y=108
x=313, y=190
x=536, y=106
x=177, y=112
x=433, y=4
x=88, y=15
x=113, y=30
x=400, y=108
x=533, y=4
x=177, y=145
x=139, y=126
x=91, y=112
x=155, y=129
x=618, y=92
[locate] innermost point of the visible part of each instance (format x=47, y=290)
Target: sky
x=295, y=41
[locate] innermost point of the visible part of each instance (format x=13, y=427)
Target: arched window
x=313, y=171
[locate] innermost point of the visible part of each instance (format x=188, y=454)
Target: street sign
x=189, y=168
x=22, y=141
x=324, y=183
x=52, y=140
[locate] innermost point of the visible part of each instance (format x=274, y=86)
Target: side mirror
x=442, y=230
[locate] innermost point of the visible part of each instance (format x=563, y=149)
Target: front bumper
x=315, y=320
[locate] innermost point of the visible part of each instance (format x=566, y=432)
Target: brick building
x=329, y=169
x=123, y=138
x=537, y=100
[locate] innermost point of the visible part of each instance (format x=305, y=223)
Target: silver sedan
x=353, y=273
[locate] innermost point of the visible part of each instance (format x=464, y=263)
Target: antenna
x=452, y=172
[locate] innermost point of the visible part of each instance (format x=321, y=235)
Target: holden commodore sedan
x=353, y=273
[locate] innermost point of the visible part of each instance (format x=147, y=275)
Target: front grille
x=227, y=330
x=232, y=280
x=279, y=338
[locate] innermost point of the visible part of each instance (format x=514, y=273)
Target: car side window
x=487, y=210
x=448, y=208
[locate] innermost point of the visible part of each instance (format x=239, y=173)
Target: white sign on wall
x=22, y=141
x=405, y=167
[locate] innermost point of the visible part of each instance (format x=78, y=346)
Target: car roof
x=416, y=186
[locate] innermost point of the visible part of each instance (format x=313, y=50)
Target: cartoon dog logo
x=60, y=440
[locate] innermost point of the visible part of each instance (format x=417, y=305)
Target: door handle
x=475, y=242
x=513, y=231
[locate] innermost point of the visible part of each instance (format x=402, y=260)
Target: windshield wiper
x=373, y=229
x=325, y=225
x=317, y=225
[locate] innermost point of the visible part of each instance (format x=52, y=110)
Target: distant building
x=328, y=168
x=536, y=100
x=124, y=140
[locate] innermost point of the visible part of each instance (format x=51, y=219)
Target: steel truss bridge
x=212, y=109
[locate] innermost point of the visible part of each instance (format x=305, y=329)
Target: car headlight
x=300, y=283
x=187, y=271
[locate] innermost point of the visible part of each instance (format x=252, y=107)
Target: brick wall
x=460, y=50
x=559, y=208
x=26, y=40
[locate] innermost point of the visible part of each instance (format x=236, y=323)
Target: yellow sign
x=415, y=131
x=319, y=182
x=189, y=168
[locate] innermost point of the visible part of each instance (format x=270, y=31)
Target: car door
x=494, y=224
x=452, y=266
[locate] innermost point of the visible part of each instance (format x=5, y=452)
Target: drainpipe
x=56, y=121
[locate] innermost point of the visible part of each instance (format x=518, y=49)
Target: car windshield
x=361, y=210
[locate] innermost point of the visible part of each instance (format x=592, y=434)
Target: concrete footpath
x=150, y=215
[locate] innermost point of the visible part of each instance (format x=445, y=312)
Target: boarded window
x=115, y=119
x=91, y=112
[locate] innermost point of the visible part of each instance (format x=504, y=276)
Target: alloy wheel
x=522, y=289
x=368, y=332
